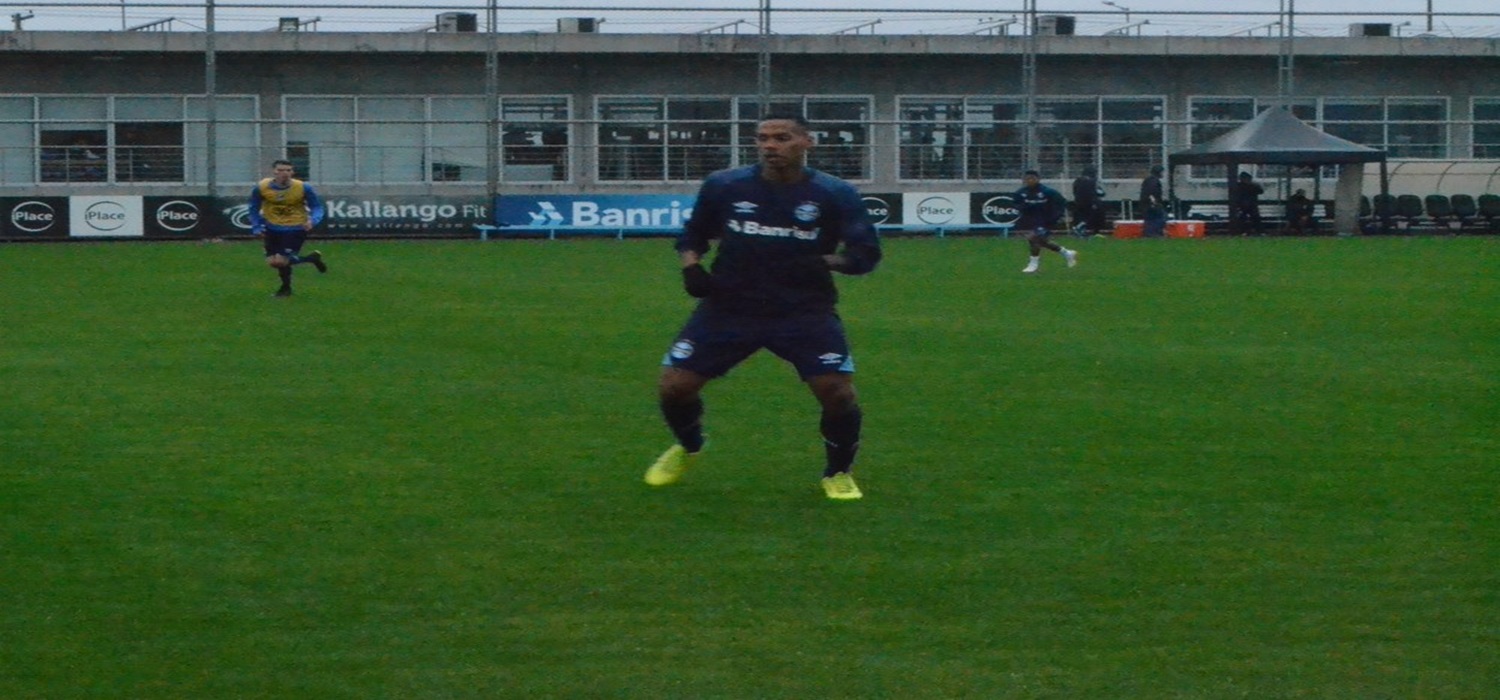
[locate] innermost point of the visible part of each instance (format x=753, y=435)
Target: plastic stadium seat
x=1465, y=210
x=1440, y=209
x=1408, y=210
x=1489, y=210
x=1384, y=207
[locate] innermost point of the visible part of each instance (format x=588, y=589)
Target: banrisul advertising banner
x=34, y=217
x=609, y=214
x=405, y=215
x=884, y=208
x=997, y=208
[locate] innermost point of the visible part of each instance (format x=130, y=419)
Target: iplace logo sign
x=936, y=208
x=106, y=216
x=182, y=217
x=178, y=216
x=33, y=216
x=883, y=208
x=999, y=209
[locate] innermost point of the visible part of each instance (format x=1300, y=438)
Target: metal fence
x=1454, y=18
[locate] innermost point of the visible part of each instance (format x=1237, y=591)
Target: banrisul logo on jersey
x=606, y=214
x=34, y=217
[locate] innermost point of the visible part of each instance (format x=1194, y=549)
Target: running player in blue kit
x=782, y=230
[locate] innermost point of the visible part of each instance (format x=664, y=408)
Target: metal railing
x=1461, y=18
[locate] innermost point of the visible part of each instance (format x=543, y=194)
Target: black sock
x=841, y=439
x=286, y=277
x=686, y=422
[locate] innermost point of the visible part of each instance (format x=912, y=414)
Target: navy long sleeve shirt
x=771, y=237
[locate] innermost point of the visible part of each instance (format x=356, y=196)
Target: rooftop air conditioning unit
x=578, y=25
x=458, y=22
x=289, y=24
x=1055, y=25
x=1364, y=29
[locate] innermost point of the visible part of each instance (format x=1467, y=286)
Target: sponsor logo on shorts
x=831, y=358
x=743, y=207
x=681, y=350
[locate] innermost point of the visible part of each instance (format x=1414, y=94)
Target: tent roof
x=1276, y=137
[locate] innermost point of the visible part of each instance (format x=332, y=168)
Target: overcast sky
x=1313, y=17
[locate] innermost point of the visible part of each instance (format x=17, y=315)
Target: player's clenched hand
x=697, y=281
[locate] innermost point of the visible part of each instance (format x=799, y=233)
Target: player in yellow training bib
x=282, y=210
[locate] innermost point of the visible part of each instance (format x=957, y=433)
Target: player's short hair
x=280, y=162
x=788, y=117
x=1032, y=173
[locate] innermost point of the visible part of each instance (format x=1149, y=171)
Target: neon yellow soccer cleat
x=841, y=487
x=668, y=468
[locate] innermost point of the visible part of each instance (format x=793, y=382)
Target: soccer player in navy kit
x=282, y=210
x=1041, y=208
x=782, y=230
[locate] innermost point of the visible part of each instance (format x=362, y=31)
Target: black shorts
x=712, y=342
x=283, y=242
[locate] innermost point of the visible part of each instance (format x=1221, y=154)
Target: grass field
x=1185, y=469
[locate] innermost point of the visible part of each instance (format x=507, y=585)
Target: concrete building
x=410, y=114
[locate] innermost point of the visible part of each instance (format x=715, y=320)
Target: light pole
x=1126, y=10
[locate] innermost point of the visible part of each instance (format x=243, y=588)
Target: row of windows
x=404, y=140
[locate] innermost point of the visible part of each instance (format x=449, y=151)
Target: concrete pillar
x=1346, y=199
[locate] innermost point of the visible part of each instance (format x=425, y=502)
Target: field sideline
x=1258, y=468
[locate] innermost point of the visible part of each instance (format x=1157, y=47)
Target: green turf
x=1184, y=469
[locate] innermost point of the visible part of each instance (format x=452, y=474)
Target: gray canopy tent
x=1276, y=137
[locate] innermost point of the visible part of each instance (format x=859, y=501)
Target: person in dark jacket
x=1299, y=214
x=1153, y=205
x=1041, y=208
x=1244, y=205
x=1088, y=203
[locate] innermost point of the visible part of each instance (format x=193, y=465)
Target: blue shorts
x=713, y=342
x=284, y=242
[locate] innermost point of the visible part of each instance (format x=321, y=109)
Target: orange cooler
x=1184, y=229
x=1128, y=229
